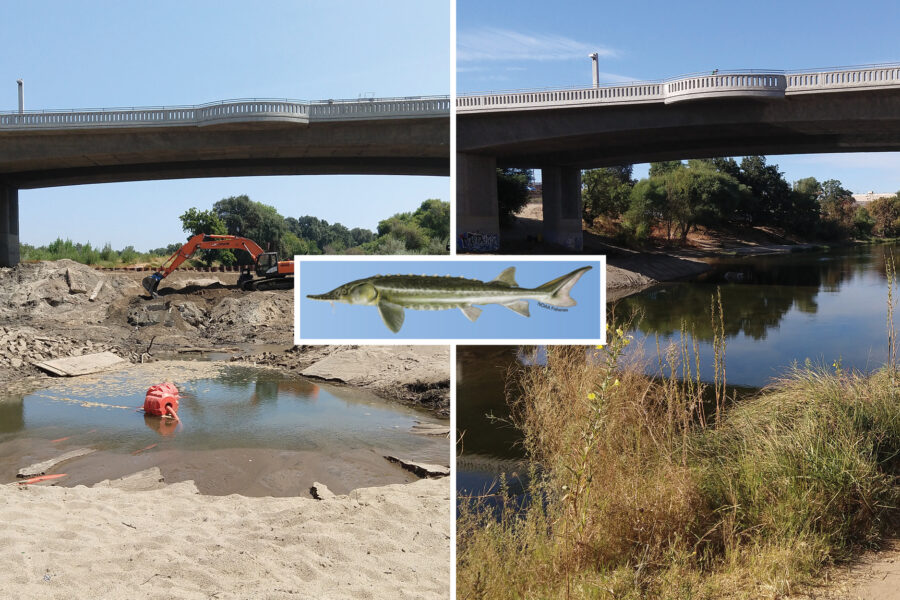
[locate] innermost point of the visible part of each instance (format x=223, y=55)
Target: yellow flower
x=592, y=396
x=616, y=382
x=599, y=346
x=619, y=332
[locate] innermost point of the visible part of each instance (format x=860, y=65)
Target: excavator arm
x=201, y=241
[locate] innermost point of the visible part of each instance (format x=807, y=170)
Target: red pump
x=162, y=400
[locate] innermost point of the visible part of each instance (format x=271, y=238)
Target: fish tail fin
x=559, y=288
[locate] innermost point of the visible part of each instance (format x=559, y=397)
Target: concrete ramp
x=80, y=365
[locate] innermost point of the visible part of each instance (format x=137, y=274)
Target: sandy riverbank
x=121, y=540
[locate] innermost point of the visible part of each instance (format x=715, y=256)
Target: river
x=779, y=309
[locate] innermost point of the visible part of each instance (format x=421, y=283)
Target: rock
x=77, y=283
x=320, y=492
x=16, y=363
x=420, y=469
x=191, y=313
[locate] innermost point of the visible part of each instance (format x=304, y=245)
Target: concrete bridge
x=561, y=132
x=396, y=136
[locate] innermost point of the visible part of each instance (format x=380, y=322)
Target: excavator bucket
x=150, y=283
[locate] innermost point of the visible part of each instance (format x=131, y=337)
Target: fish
x=392, y=293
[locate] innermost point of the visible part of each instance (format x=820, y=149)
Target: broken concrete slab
x=42, y=467
x=80, y=365
x=77, y=282
x=96, y=290
x=320, y=492
x=430, y=429
x=142, y=481
x=421, y=469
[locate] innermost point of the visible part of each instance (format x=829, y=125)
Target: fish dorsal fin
x=471, y=312
x=392, y=315
x=507, y=277
x=519, y=306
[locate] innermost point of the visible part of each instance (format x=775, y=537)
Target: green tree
x=433, y=216
x=838, y=209
x=863, y=222
x=195, y=221
x=647, y=205
x=512, y=191
x=253, y=220
x=885, y=213
x=606, y=192
x=666, y=166
x=770, y=199
x=804, y=213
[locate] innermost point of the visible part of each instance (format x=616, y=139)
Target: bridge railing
x=379, y=109
x=746, y=83
x=868, y=77
x=231, y=111
x=642, y=92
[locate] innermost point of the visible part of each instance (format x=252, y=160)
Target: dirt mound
x=254, y=308
x=53, y=289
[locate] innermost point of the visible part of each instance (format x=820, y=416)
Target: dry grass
x=640, y=493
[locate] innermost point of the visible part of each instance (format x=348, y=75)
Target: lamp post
x=21, y=95
x=595, y=63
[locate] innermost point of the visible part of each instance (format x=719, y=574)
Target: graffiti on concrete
x=477, y=241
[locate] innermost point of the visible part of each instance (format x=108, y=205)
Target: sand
x=121, y=540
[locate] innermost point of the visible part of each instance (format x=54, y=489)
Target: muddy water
x=244, y=430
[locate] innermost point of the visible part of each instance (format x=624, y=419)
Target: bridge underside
x=583, y=138
x=46, y=158
x=67, y=157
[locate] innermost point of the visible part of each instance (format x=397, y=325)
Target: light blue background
x=319, y=320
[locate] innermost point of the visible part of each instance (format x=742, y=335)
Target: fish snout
x=328, y=296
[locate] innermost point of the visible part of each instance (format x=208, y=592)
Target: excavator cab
x=267, y=264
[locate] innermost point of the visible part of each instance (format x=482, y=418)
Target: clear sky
x=319, y=320
x=113, y=54
x=505, y=45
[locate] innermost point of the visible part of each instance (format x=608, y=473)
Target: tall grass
x=639, y=494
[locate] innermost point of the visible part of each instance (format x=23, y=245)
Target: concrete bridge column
x=9, y=226
x=562, y=206
x=477, y=211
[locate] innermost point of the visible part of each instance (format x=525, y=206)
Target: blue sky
x=529, y=44
x=320, y=320
x=113, y=54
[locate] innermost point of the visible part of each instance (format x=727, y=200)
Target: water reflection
x=12, y=414
x=777, y=309
x=242, y=407
x=161, y=425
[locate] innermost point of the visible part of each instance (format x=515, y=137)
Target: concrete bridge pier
x=477, y=211
x=562, y=206
x=9, y=226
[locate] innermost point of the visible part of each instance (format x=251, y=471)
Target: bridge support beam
x=477, y=211
x=9, y=226
x=562, y=206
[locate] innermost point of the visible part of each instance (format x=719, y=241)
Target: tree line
x=677, y=197
x=423, y=231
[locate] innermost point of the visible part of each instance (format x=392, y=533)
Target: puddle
x=244, y=430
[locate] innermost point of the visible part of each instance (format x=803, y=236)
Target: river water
x=244, y=430
x=779, y=309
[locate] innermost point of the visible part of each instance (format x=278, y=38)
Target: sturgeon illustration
x=392, y=293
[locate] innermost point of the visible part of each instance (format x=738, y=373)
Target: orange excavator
x=271, y=273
